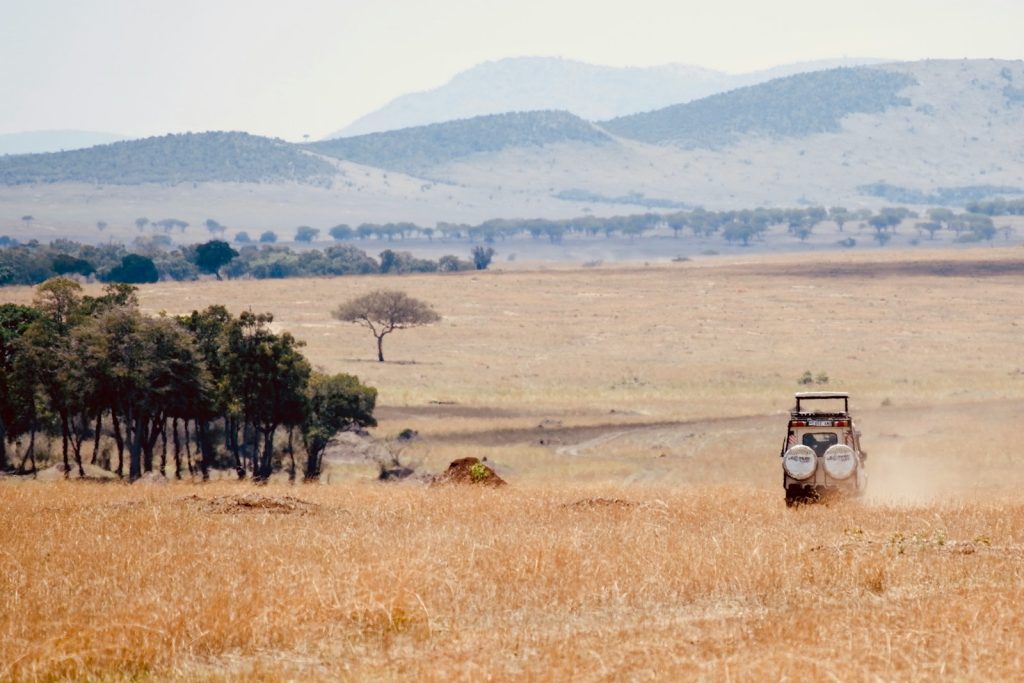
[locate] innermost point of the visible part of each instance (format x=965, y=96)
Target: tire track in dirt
x=575, y=440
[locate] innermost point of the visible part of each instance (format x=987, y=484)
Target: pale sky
x=288, y=67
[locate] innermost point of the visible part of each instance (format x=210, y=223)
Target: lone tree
x=482, y=257
x=212, y=256
x=215, y=227
x=304, y=233
x=383, y=311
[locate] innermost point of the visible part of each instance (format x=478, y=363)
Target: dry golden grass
x=636, y=412
x=543, y=583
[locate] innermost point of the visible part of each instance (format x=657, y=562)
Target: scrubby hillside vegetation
x=796, y=106
x=416, y=149
x=191, y=157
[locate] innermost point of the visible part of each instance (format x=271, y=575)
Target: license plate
x=819, y=423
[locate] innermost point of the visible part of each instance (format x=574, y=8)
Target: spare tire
x=800, y=462
x=840, y=461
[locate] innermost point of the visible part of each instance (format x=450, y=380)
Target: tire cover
x=840, y=461
x=800, y=462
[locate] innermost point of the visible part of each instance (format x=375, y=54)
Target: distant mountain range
x=589, y=91
x=931, y=132
x=42, y=141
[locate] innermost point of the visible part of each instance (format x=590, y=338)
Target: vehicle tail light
x=842, y=423
x=798, y=423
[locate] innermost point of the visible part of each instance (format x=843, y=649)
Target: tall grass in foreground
x=363, y=581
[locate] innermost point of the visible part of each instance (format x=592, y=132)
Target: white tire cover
x=800, y=462
x=840, y=461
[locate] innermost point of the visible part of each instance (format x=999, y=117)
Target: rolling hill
x=589, y=91
x=191, y=157
x=796, y=106
x=938, y=132
x=416, y=150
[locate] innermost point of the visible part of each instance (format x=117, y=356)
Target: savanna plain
x=637, y=413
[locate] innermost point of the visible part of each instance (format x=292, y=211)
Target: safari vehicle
x=821, y=456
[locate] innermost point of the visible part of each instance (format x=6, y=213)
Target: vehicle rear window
x=820, y=441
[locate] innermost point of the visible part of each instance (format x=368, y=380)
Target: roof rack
x=822, y=396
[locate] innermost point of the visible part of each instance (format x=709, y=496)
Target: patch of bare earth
x=252, y=502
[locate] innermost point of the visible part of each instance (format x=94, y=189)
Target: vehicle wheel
x=795, y=496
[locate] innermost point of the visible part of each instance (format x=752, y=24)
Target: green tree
x=14, y=320
x=451, y=264
x=341, y=232
x=931, y=227
x=64, y=264
x=268, y=237
x=840, y=215
x=169, y=224
x=47, y=355
x=482, y=257
x=334, y=403
x=211, y=256
x=304, y=233
x=214, y=227
x=268, y=375
x=383, y=311
x=209, y=331
x=941, y=215
x=134, y=269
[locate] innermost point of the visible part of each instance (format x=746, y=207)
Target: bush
x=482, y=257
x=134, y=270
x=305, y=233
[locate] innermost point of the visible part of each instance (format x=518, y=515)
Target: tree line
x=155, y=257
x=134, y=393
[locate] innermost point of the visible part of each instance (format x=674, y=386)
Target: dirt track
x=573, y=440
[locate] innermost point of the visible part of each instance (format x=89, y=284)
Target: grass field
x=637, y=413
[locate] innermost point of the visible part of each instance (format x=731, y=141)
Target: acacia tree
x=215, y=227
x=383, y=311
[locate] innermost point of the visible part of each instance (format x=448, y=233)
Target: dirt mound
x=590, y=503
x=469, y=471
x=252, y=502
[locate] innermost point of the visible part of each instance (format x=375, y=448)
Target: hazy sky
x=289, y=67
